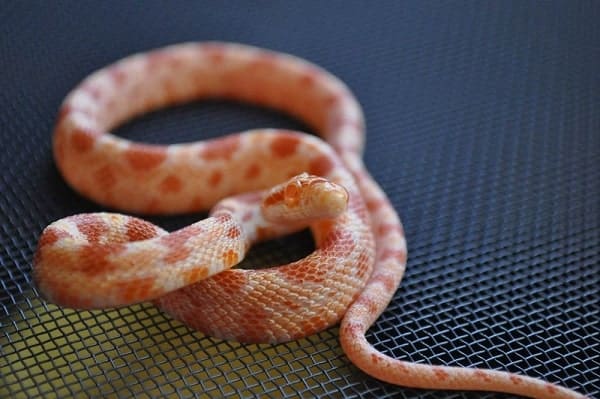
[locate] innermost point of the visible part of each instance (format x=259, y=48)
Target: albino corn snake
x=106, y=260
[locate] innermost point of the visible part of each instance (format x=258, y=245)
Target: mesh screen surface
x=483, y=128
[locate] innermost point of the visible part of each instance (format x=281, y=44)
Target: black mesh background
x=483, y=128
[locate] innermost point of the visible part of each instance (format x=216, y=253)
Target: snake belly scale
x=106, y=259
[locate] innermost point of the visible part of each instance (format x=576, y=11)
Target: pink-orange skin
x=360, y=256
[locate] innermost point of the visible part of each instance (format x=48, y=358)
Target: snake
x=260, y=184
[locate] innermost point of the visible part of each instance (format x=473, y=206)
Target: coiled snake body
x=106, y=259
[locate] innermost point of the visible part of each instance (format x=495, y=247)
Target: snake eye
x=292, y=194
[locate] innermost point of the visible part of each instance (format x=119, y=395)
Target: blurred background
x=483, y=127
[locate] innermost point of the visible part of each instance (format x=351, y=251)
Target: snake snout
x=305, y=198
x=330, y=199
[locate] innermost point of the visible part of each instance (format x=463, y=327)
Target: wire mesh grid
x=490, y=154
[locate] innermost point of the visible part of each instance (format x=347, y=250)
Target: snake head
x=304, y=198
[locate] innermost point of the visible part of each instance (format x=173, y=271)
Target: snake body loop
x=102, y=260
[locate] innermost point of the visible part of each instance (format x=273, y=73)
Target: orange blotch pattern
x=387, y=282
x=387, y=228
x=440, y=373
x=223, y=215
x=393, y=254
x=515, y=379
x=284, y=145
x=320, y=166
x=194, y=275
x=332, y=100
x=93, y=91
x=220, y=149
x=215, y=52
x=176, y=243
x=82, y=140
x=215, y=178
x=105, y=177
x=135, y=290
x=363, y=265
x=230, y=257
x=247, y=216
x=138, y=230
x=551, y=388
x=93, y=259
x=252, y=172
x=233, y=232
x=368, y=303
x=51, y=235
x=91, y=226
x=171, y=185
x=373, y=205
x=482, y=375
x=118, y=75
x=177, y=253
x=352, y=329
x=143, y=157
x=308, y=79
